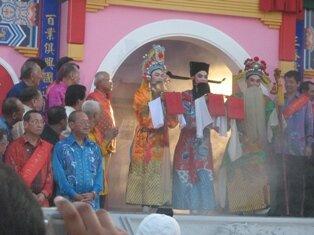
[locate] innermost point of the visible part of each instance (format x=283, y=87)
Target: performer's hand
x=111, y=133
x=308, y=151
x=80, y=219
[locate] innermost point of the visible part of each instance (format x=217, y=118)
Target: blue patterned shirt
x=16, y=89
x=77, y=168
x=299, y=130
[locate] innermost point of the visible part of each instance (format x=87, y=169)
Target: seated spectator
x=74, y=98
x=63, y=60
x=77, y=163
x=31, y=75
x=30, y=157
x=57, y=122
x=20, y=212
x=68, y=75
x=12, y=112
x=158, y=224
x=32, y=99
x=3, y=143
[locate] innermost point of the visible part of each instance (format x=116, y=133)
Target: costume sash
x=35, y=163
x=295, y=106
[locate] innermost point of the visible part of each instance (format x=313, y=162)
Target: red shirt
x=18, y=153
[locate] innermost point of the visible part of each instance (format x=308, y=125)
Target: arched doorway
x=7, y=79
x=184, y=41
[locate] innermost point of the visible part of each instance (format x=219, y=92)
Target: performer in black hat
x=193, y=167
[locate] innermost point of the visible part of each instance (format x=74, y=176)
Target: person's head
x=158, y=224
x=255, y=72
x=292, y=81
x=307, y=88
x=41, y=63
x=32, y=97
x=13, y=110
x=103, y=82
x=31, y=73
x=199, y=75
x=33, y=123
x=75, y=96
x=154, y=65
x=63, y=60
x=20, y=211
x=3, y=142
x=92, y=110
x=79, y=124
x=69, y=73
x=57, y=117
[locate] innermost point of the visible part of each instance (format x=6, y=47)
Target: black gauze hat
x=195, y=67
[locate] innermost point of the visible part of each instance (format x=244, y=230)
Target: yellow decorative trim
x=95, y=5
x=27, y=51
x=285, y=66
x=75, y=51
x=241, y=8
x=309, y=73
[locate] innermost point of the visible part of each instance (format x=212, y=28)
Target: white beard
x=255, y=122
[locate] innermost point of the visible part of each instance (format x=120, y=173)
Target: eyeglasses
x=37, y=122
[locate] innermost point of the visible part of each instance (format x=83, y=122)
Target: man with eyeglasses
x=77, y=163
x=30, y=157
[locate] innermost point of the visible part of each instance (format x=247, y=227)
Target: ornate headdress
x=154, y=59
x=256, y=67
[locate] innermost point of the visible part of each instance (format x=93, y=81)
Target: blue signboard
x=49, y=39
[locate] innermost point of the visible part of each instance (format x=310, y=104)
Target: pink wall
x=105, y=28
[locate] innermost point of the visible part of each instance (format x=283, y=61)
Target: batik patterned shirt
x=78, y=168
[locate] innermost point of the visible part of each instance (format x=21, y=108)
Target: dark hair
x=9, y=106
x=305, y=86
x=293, y=74
x=27, y=115
x=74, y=93
x=56, y=114
x=29, y=93
x=65, y=70
x=41, y=63
x=20, y=212
x=63, y=60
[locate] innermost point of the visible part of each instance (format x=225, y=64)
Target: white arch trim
x=168, y=29
x=10, y=70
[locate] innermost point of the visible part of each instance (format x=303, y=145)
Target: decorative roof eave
x=241, y=8
x=27, y=51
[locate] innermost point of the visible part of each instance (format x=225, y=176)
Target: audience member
x=31, y=75
x=80, y=219
x=63, y=60
x=32, y=99
x=57, y=122
x=74, y=98
x=106, y=125
x=68, y=74
x=3, y=143
x=12, y=112
x=158, y=224
x=77, y=163
x=30, y=157
x=292, y=146
x=20, y=212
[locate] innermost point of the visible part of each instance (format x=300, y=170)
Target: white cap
x=158, y=224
